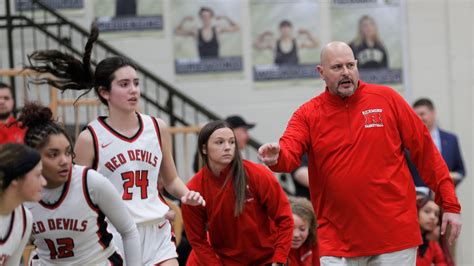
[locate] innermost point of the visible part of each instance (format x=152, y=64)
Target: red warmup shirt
x=306, y=255
x=361, y=188
x=433, y=256
x=11, y=133
x=261, y=234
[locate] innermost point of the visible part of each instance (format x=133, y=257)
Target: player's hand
x=193, y=198
x=454, y=221
x=268, y=153
x=170, y=215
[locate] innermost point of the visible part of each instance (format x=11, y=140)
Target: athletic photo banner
x=207, y=38
x=122, y=18
x=373, y=30
x=285, y=39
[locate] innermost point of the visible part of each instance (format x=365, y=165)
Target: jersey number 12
x=62, y=249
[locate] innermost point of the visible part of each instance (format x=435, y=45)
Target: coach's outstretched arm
x=268, y=153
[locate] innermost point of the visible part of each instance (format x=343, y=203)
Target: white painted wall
x=440, y=67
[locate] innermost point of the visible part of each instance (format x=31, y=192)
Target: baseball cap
x=236, y=121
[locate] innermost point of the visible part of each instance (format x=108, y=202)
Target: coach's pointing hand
x=268, y=153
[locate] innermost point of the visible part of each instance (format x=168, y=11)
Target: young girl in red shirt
x=430, y=252
x=304, y=249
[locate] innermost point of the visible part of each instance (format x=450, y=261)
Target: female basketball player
x=69, y=223
x=130, y=148
x=20, y=181
x=247, y=218
x=304, y=251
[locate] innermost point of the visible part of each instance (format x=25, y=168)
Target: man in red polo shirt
x=361, y=189
x=9, y=131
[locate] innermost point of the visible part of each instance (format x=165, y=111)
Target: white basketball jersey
x=19, y=227
x=73, y=230
x=132, y=165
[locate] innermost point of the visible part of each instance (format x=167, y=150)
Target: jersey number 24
x=135, y=179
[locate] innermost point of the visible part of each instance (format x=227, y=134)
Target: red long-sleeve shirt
x=433, y=256
x=306, y=255
x=261, y=234
x=361, y=188
x=11, y=132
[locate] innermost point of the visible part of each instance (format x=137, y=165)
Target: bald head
x=333, y=48
x=338, y=69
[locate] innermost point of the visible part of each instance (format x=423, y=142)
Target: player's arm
x=84, y=149
x=106, y=197
x=15, y=258
x=171, y=181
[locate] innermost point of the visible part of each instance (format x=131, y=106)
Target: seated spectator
x=430, y=252
x=9, y=130
x=304, y=249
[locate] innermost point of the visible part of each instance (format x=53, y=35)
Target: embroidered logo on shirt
x=373, y=118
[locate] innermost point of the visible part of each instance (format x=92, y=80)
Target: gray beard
x=4, y=116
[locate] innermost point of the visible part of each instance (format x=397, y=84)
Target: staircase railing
x=45, y=28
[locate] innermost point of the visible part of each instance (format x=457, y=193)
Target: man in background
x=9, y=130
x=446, y=142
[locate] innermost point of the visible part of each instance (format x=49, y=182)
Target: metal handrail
x=172, y=93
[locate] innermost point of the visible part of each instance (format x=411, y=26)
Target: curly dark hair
x=40, y=124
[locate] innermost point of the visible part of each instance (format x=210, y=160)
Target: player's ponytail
x=65, y=72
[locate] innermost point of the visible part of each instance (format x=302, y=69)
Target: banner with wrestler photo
x=127, y=18
x=373, y=29
x=207, y=38
x=285, y=40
